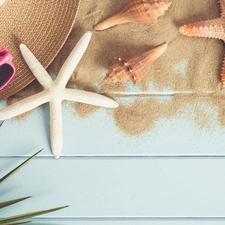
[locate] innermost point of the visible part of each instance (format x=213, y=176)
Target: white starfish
x=54, y=92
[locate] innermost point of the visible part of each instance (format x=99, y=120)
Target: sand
x=190, y=64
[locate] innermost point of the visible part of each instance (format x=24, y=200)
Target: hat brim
x=42, y=25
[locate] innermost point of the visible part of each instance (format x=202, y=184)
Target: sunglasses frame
x=6, y=58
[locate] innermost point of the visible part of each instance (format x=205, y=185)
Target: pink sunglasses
x=7, y=69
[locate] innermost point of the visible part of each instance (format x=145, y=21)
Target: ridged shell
x=140, y=11
x=133, y=67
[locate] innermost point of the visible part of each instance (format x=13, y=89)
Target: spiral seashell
x=133, y=67
x=140, y=11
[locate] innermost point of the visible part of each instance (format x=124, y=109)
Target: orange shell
x=141, y=11
x=133, y=67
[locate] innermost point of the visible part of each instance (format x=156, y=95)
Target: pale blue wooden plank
x=135, y=222
x=97, y=135
x=106, y=188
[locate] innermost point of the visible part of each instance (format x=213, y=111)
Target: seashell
x=140, y=11
x=133, y=67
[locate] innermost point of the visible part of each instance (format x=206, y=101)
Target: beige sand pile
x=189, y=63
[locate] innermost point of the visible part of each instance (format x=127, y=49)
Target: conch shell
x=133, y=67
x=140, y=11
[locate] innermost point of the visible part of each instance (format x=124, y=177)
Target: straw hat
x=42, y=25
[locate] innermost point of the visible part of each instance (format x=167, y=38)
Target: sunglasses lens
x=6, y=72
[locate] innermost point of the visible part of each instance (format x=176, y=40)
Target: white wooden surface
x=155, y=222
x=173, y=174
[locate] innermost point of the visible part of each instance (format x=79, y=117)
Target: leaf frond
x=25, y=222
x=25, y=216
x=11, y=202
x=8, y=175
x=2, y=123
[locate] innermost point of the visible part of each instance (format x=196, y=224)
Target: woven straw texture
x=42, y=25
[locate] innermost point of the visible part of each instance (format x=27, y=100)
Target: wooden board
x=98, y=135
x=119, y=187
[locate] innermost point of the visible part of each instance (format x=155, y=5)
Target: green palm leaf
x=11, y=202
x=28, y=215
x=18, y=223
x=1, y=123
x=8, y=175
x=19, y=219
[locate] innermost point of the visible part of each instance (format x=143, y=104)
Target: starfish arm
x=209, y=29
x=223, y=74
x=73, y=59
x=89, y=98
x=35, y=66
x=23, y=106
x=56, y=132
x=222, y=7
